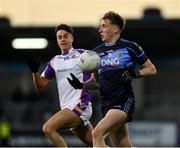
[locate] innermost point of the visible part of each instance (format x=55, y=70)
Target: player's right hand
x=75, y=82
x=135, y=73
x=130, y=73
x=33, y=64
x=126, y=77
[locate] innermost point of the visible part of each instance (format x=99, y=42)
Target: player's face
x=107, y=31
x=64, y=40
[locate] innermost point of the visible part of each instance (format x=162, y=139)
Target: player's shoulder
x=129, y=43
x=51, y=61
x=55, y=58
x=132, y=46
x=79, y=50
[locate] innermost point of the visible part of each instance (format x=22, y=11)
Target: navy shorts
x=126, y=105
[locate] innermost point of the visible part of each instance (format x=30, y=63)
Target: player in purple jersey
x=119, y=58
x=76, y=108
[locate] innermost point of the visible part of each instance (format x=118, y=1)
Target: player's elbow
x=41, y=83
x=153, y=69
x=41, y=87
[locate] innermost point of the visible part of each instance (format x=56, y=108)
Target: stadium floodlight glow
x=29, y=43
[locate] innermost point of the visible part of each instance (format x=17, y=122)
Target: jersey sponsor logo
x=66, y=58
x=58, y=57
x=75, y=56
x=102, y=53
x=110, y=55
x=109, y=62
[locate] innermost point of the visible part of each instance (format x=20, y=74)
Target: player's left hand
x=34, y=63
x=133, y=71
x=75, y=82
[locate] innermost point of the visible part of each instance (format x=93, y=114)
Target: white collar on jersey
x=110, y=44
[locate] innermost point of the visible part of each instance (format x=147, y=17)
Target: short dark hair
x=115, y=19
x=64, y=27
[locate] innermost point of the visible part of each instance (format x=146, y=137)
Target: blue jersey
x=114, y=57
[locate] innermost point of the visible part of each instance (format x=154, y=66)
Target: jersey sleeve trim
x=49, y=72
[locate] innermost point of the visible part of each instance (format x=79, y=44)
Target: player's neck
x=65, y=51
x=112, y=41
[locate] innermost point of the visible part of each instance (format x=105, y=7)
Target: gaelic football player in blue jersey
x=119, y=60
x=75, y=104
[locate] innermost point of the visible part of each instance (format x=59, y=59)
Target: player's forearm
x=39, y=81
x=148, y=70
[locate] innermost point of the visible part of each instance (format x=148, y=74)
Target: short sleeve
x=80, y=50
x=137, y=53
x=49, y=72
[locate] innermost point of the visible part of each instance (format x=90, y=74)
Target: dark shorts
x=126, y=105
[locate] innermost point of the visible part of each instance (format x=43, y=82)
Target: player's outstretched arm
x=34, y=63
x=40, y=82
x=75, y=82
x=90, y=84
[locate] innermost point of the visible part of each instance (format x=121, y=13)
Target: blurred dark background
x=23, y=110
